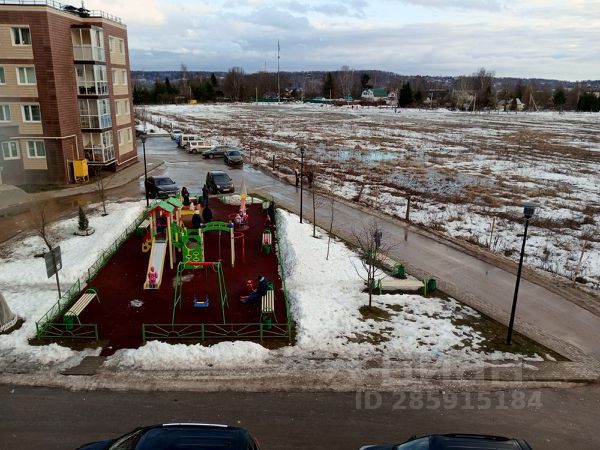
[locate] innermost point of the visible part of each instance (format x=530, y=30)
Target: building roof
x=379, y=92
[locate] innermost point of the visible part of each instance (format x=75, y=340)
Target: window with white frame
x=124, y=77
x=21, y=36
x=31, y=113
x=26, y=75
x=111, y=45
x=121, y=46
x=127, y=111
x=5, y=113
x=120, y=137
x=10, y=150
x=115, y=77
x=117, y=108
x=36, y=149
x=128, y=134
x=2, y=77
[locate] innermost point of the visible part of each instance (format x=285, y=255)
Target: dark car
x=219, y=182
x=233, y=157
x=217, y=151
x=161, y=187
x=455, y=441
x=179, y=435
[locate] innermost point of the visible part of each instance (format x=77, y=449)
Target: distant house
x=391, y=99
x=374, y=94
x=507, y=105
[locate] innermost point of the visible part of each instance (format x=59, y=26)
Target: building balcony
x=92, y=88
x=95, y=121
x=100, y=155
x=88, y=53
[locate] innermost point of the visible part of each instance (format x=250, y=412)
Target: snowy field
x=325, y=303
x=463, y=170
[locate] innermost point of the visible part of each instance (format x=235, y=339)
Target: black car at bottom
x=455, y=441
x=180, y=435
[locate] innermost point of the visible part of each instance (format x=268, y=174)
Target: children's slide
x=157, y=260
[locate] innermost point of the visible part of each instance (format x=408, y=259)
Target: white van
x=185, y=138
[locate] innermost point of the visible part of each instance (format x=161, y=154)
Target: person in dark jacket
x=257, y=294
x=186, y=196
x=196, y=220
x=205, y=196
x=207, y=215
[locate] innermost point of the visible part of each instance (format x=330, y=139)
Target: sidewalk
x=11, y=196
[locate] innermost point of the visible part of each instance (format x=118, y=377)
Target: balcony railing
x=95, y=121
x=92, y=88
x=86, y=52
x=81, y=12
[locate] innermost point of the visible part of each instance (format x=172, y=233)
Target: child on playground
x=258, y=293
x=152, y=277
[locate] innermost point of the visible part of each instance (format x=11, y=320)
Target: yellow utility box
x=193, y=101
x=80, y=170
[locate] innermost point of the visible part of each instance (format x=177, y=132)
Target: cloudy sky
x=520, y=38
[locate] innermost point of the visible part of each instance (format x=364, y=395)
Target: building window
x=124, y=77
x=2, y=77
x=10, y=150
x=36, y=149
x=121, y=46
x=4, y=113
x=31, y=113
x=127, y=111
x=111, y=46
x=114, y=77
x=26, y=75
x=120, y=137
x=117, y=109
x=128, y=134
x=21, y=36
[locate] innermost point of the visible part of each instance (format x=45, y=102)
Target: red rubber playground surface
x=125, y=305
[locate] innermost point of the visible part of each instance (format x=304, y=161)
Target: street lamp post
x=143, y=138
x=528, y=211
x=301, y=178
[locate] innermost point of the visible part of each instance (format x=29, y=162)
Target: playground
x=178, y=280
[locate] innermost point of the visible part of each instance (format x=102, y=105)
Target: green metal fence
x=207, y=331
x=49, y=326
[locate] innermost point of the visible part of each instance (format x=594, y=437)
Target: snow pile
x=157, y=355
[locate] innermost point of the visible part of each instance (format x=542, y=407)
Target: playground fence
x=207, y=331
x=49, y=326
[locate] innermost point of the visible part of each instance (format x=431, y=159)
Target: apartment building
x=65, y=92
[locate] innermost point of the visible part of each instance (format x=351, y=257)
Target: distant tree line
x=478, y=91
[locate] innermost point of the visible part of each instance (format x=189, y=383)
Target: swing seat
x=201, y=304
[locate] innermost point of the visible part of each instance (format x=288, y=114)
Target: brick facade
x=57, y=93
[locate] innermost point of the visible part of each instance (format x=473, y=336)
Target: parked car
x=454, y=441
x=161, y=187
x=233, y=157
x=218, y=181
x=217, y=151
x=183, y=139
x=175, y=133
x=196, y=147
x=179, y=435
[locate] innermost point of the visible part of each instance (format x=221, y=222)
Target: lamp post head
x=143, y=137
x=529, y=209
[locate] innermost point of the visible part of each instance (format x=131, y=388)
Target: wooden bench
x=142, y=227
x=80, y=305
x=397, y=284
x=267, y=241
x=267, y=308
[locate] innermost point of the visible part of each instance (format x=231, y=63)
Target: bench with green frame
x=79, y=306
x=267, y=307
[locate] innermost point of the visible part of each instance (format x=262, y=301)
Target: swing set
x=195, y=265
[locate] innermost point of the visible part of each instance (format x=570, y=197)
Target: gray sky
x=520, y=38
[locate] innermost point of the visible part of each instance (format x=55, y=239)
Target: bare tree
x=588, y=234
x=369, y=240
x=100, y=187
x=234, y=84
x=346, y=76
x=40, y=222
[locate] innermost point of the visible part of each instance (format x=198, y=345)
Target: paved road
x=34, y=418
x=471, y=276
